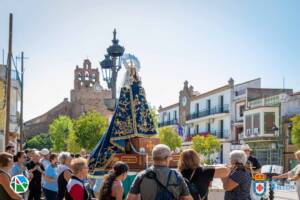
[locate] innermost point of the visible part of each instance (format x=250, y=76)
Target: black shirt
x=62, y=185
x=202, y=178
x=36, y=182
x=254, y=163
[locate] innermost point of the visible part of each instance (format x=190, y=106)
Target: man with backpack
x=159, y=182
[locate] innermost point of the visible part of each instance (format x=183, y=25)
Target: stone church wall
x=87, y=95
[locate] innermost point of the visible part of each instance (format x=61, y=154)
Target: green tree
x=296, y=130
x=89, y=128
x=39, y=141
x=154, y=116
x=59, y=131
x=170, y=137
x=206, y=145
x=72, y=143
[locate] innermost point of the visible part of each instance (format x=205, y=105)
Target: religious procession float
x=131, y=134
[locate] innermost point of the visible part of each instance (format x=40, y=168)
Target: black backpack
x=164, y=193
x=193, y=188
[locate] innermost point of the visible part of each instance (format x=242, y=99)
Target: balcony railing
x=211, y=111
x=240, y=92
x=239, y=121
x=168, y=123
x=219, y=134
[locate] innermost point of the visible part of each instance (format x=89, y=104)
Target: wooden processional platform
x=138, y=162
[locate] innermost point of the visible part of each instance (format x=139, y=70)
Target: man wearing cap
x=254, y=166
x=45, y=153
x=147, y=187
x=252, y=162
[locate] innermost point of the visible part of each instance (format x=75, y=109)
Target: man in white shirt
x=294, y=174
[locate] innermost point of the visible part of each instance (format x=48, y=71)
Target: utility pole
x=22, y=93
x=8, y=82
x=21, y=121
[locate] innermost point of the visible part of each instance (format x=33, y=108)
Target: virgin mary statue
x=132, y=118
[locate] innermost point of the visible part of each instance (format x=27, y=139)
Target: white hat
x=246, y=147
x=44, y=152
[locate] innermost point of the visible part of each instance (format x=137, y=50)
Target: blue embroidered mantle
x=132, y=118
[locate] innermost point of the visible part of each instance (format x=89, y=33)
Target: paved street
x=284, y=195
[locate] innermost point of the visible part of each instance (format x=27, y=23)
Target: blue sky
x=204, y=42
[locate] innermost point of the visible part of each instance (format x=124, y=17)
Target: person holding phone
x=237, y=184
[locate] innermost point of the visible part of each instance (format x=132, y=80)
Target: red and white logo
x=260, y=187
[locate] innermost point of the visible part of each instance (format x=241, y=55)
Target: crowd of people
x=65, y=176
x=51, y=176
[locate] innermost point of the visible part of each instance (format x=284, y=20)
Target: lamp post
x=111, y=65
x=106, y=66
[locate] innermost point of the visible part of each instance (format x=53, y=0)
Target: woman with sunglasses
x=19, y=168
x=6, y=162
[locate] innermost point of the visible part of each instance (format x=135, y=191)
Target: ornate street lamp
x=111, y=65
x=106, y=66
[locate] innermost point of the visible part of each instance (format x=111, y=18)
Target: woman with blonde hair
x=76, y=190
x=198, y=177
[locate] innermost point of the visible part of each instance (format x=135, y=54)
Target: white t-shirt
x=292, y=173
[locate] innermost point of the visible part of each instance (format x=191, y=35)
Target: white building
x=239, y=107
x=168, y=115
x=263, y=123
x=15, y=107
x=214, y=112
